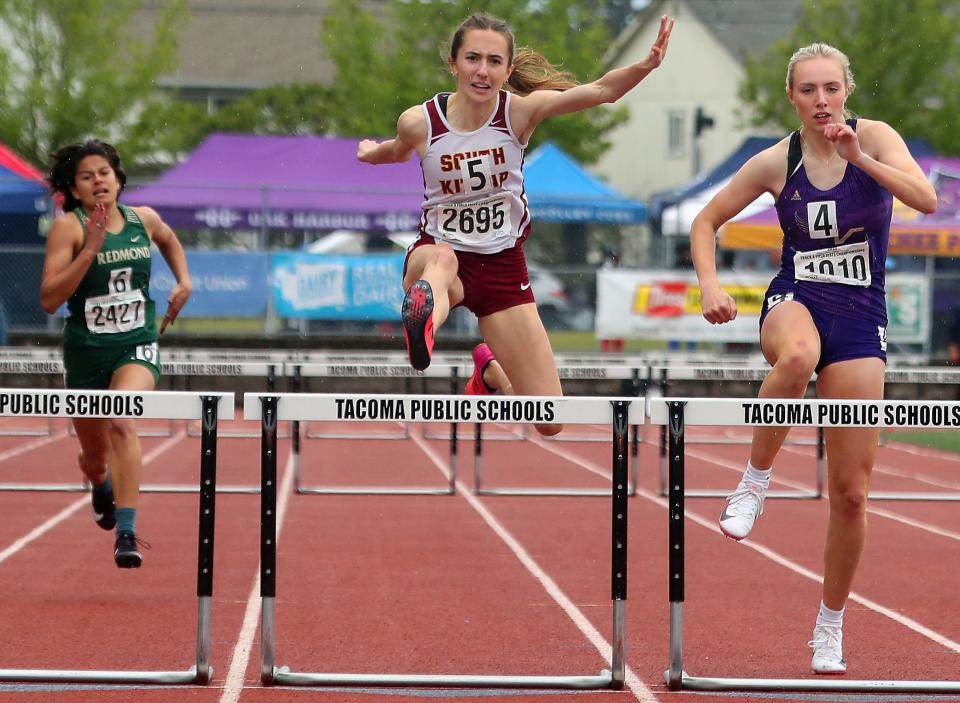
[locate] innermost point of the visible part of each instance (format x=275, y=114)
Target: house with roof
x=661, y=146
x=231, y=47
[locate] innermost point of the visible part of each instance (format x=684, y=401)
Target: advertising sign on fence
x=225, y=284
x=320, y=287
x=666, y=305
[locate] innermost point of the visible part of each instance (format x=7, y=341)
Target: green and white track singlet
x=112, y=305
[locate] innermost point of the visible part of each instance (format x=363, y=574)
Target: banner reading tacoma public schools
x=323, y=287
x=666, y=305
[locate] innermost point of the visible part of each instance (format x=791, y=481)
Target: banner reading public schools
x=666, y=305
x=322, y=287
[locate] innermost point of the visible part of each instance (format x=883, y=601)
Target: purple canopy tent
x=254, y=182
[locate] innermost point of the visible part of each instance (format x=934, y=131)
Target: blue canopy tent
x=672, y=211
x=560, y=190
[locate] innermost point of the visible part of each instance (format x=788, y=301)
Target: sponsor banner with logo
x=225, y=284
x=320, y=287
x=908, y=308
x=665, y=305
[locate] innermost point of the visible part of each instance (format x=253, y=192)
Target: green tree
x=177, y=127
x=72, y=70
x=397, y=58
x=905, y=58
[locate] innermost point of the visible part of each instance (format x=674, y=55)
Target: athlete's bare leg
x=496, y=378
x=437, y=265
x=519, y=342
x=851, y=453
x=791, y=344
x=126, y=465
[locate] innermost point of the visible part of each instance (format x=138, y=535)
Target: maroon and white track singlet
x=474, y=197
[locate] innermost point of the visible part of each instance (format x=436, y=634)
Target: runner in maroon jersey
x=470, y=250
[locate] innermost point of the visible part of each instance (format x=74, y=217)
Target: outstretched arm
x=613, y=85
x=411, y=136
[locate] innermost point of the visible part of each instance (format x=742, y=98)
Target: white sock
x=834, y=618
x=758, y=476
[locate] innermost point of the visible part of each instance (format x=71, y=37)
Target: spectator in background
x=682, y=258
x=471, y=145
x=611, y=260
x=953, y=342
x=98, y=262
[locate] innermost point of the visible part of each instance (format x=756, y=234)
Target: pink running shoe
x=482, y=356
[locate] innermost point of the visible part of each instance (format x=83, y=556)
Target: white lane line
x=633, y=682
x=887, y=470
x=49, y=524
x=239, y=660
x=778, y=558
x=922, y=478
x=30, y=446
x=926, y=452
x=871, y=509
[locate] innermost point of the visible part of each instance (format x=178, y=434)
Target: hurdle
x=623, y=372
x=624, y=369
x=920, y=375
x=233, y=369
x=42, y=362
x=370, y=370
x=739, y=372
x=269, y=409
x=677, y=413
x=208, y=408
x=327, y=370
x=49, y=363
x=908, y=375
x=55, y=365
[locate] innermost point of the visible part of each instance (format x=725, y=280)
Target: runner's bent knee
x=123, y=430
x=798, y=361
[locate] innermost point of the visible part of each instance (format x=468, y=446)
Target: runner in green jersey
x=98, y=263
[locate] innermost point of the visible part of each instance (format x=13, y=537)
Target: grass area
x=943, y=440
x=567, y=341
x=240, y=326
x=572, y=341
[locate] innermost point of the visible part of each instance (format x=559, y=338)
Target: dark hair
x=63, y=168
x=531, y=71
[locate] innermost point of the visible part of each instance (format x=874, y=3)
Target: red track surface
x=428, y=584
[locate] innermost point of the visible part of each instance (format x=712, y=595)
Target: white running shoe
x=827, y=646
x=743, y=508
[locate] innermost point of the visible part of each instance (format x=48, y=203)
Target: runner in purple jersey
x=834, y=240
x=833, y=181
